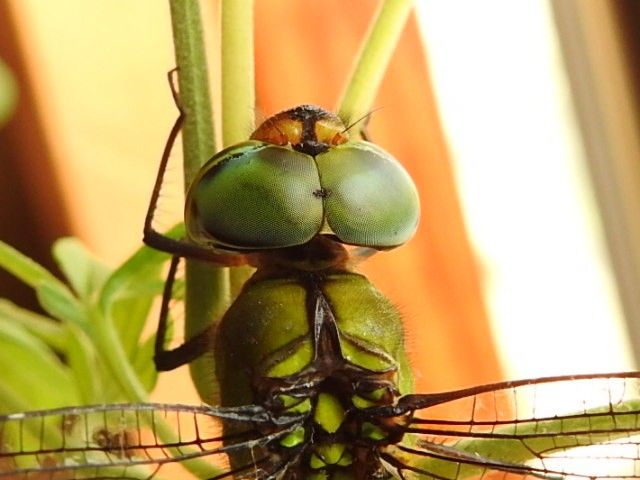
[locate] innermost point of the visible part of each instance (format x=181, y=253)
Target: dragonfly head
x=297, y=178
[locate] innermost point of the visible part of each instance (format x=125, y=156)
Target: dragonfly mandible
x=314, y=378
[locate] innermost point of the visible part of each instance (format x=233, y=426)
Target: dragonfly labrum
x=313, y=375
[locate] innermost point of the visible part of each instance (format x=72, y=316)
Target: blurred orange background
x=95, y=111
x=81, y=152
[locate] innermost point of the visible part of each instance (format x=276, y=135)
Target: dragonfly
x=313, y=375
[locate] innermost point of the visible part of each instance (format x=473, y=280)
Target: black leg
x=193, y=348
x=155, y=239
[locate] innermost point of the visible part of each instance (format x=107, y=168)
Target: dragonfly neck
x=320, y=254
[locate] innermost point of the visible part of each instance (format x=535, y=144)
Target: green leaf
x=31, y=435
x=111, y=351
x=58, y=301
x=43, y=328
x=83, y=272
x=32, y=373
x=11, y=400
x=143, y=364
x=53, y=295
x=136, y=276
x=82, y=359
x=22, y=267
x=129, y=316
x=128, y=294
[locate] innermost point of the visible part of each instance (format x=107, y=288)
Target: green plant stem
x=25, y=269
x=207, y=286
x=8, y=93
x=112, y=352
x=373, y=59
x=198, y=142
x=238, y=89
x=238, y=82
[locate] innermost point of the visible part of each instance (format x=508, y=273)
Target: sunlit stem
x=198, y=143
x=372, y=61
x=238, y=88
x=238, y=82
x=207, y=287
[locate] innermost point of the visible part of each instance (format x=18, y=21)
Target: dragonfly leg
x=151, y=236
x=191, y=349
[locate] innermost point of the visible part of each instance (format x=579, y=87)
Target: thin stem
x=198, y=142
x=238, y=89
x=112, y=352
x=238, y=83
x=207, y=289
x=373, y=59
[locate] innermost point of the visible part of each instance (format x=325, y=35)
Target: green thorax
x=269, y=330
x=320, y=341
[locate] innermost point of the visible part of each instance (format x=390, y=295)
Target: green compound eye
x=255, y=196
x=370, y=198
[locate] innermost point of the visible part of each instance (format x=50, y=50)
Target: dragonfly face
x=314, y=379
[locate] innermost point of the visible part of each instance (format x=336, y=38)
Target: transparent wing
x=554, y=428
x=139, y=441
x=579, y=427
